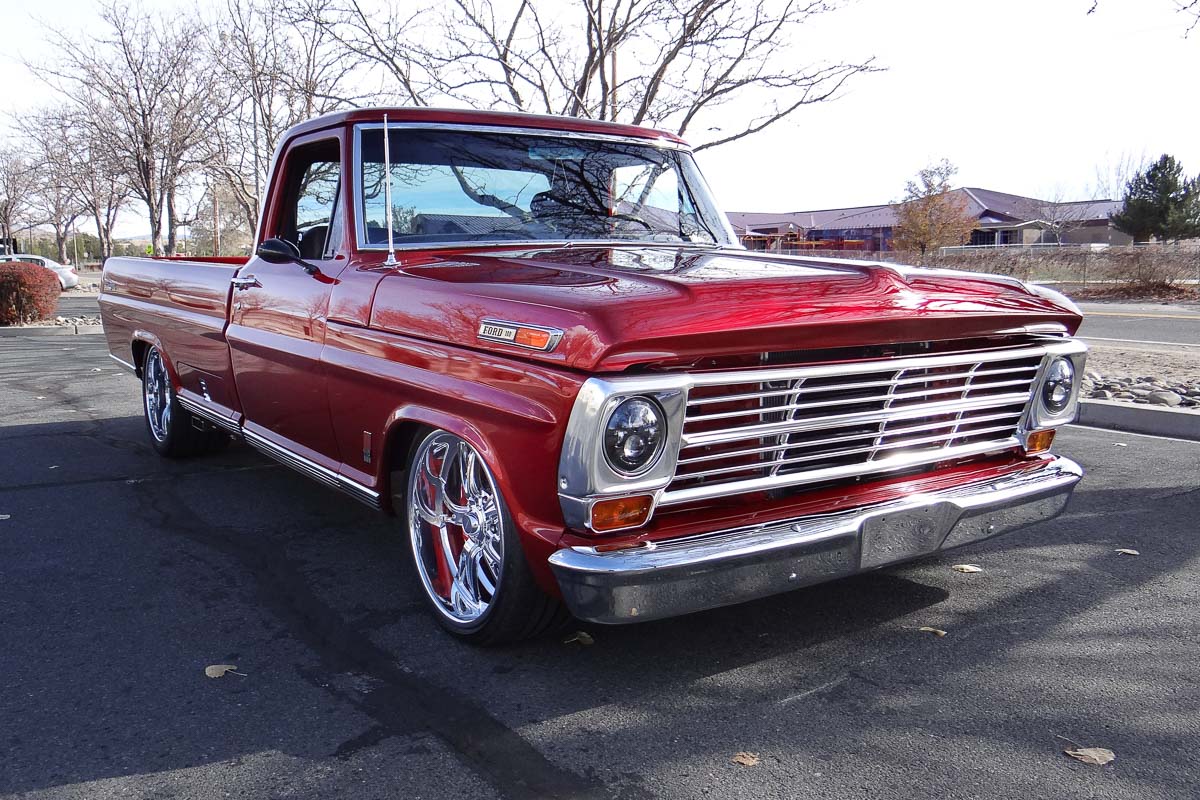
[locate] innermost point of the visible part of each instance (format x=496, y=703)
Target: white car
x=66, y=275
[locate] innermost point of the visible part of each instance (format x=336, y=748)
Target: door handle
x=245, y=282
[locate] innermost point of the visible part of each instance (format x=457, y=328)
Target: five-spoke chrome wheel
x=157, y=387
x=457, y=527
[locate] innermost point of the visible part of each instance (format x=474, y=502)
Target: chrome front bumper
x=725, y=567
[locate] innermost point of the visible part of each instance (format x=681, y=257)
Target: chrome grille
x=770, y=429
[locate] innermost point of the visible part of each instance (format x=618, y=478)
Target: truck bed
x=181, y=306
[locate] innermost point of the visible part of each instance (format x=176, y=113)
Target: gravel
x=1142, y=390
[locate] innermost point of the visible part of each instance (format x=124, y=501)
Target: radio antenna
x=387, y=194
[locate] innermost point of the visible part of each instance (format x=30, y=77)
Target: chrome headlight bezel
x=652, y=406
x=1042, y=415
x=1058, y=386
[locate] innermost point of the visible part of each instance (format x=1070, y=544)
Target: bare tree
x=1190, y=9
x=148, y=97
x=85, y=165
x=1056, y=215
x=1114, y=175
x=17, y=179
x=667, y=63
x=277, y=72
x=55, y=202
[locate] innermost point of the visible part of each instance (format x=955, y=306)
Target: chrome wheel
x=456, y=526
x=157, y=387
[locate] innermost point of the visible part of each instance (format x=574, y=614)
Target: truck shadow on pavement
x=126, y=575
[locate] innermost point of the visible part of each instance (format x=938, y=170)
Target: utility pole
x=75, y=242
x=613, y=85
x=216, y=222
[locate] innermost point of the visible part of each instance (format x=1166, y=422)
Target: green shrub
x=27, y=292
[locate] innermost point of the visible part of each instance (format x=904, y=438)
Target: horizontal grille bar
x=843, y=420
x=874, y=448
x=850, y=386
x=891, y=464
x=859, y=401
x=1011, y=416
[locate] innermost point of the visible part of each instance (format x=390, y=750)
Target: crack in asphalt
x=403, y=701
x=132, y=479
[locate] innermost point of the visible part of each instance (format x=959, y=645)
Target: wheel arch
x=143, y=341
x=539, y=535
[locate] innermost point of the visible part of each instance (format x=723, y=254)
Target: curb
x=51, y=330
x=1170, y=422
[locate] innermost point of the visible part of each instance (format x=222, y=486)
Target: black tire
x=518, y=609
x=174, y=432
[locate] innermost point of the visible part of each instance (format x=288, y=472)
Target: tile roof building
x=1004, y=219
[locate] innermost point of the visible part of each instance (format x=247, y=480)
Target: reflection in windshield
x=452, y=186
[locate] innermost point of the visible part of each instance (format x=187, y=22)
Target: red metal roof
x=460, y=116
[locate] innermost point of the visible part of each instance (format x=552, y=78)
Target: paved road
x=1145, y=323
x=122, y=576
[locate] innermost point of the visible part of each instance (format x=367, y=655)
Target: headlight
x=1056, y=388
x=634, y=436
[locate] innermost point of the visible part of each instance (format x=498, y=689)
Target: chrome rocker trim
x=283, y=455
x=124, y=363
x=208, y=415
x=312, y=469
x=732, y=566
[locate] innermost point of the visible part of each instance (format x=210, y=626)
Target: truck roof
x=460, y=116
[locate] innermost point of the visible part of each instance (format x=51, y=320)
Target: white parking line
x=1135, y=341
x=1111, y=432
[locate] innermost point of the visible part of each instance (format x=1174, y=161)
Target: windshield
x=456, y=186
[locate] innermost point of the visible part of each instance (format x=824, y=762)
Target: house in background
x=1004, y=219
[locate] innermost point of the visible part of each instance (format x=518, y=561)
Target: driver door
x=278, y=311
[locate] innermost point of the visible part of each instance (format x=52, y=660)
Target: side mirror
x=281, y=251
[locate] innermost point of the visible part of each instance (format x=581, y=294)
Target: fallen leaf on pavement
x=1098, y=756
x=938, y=632
x=1125, y=551
x=746, y=759
x=967, y=568
x=583, y=637
x=220, y=670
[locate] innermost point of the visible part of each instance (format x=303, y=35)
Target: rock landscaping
x=1143, y=390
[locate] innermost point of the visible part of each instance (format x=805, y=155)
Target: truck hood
x=624, y=306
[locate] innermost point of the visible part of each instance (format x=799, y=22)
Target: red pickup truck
x=538, y=344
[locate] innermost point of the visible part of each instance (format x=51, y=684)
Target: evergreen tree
x=1160, y=203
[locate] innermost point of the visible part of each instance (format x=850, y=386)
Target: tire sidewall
x=165, y=446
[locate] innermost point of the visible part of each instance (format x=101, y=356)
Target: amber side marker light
x=532, y=337
x=621, y=512
x=1039, y=441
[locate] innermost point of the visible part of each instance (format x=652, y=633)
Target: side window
x=310, y=217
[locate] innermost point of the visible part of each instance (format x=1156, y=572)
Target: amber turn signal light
x=621, y=512
x=1039, y=441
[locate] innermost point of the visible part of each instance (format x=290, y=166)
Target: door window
x=310, y=216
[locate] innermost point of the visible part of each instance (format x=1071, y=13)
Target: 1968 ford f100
x=537, y=342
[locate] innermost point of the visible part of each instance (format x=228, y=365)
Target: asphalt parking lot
x=122, y=576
